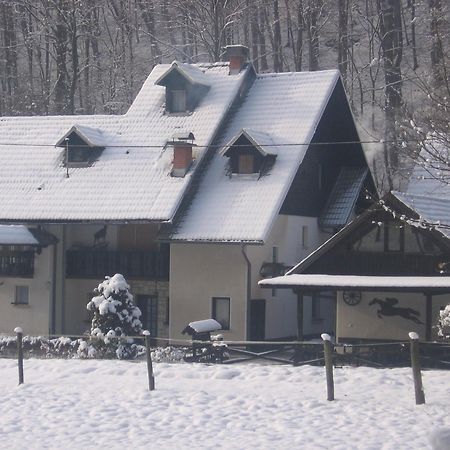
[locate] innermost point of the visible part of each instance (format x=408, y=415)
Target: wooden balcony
x=145, y=265
x=17, y=264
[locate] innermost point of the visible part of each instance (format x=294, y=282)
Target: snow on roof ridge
x=193, y=73
x=254, y=137
x=94, y=137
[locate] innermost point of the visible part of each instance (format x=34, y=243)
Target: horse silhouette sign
x=388, y=308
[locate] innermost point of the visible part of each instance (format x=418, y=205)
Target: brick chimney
x=238, y=57
x=182, y=153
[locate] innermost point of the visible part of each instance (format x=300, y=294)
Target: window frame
x=180, y=96
x=18, y=297
x=214, y=301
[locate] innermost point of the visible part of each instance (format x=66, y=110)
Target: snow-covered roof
x=16, y=235
x=193, y=74
x=358, y=282
x=205, y=326
x=130, y=180
x=285, y=106
x=433, y=209
x=263, y=142
x=93, y=137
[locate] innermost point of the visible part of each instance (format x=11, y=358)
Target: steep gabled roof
x=285, y=106
x=433, y=210
x=130, y=181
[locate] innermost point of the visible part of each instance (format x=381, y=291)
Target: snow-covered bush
x=444, y=323
x=115, y=317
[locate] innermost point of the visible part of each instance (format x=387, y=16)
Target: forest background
x=92, y=56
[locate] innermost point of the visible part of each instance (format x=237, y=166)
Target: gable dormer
x=185, y=85
x=82, y=145
x=250, y=152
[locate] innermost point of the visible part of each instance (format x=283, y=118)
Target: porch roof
x=360, y=282
x=16, y=235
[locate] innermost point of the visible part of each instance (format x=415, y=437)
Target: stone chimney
x=238, y=57
x=182, y=144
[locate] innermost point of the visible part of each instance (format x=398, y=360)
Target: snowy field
x=79, y=404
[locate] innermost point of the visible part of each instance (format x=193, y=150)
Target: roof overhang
x=310, y=282
x=21, y=235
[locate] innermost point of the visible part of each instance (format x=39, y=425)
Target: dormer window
x=185, y=86
x=250, y=152
x=81, y=146
x=178, y=101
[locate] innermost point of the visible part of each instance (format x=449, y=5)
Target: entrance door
x=148, y=304
x=257, y=320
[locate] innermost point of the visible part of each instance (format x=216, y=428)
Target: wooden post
x=328, y=353
x=151, y=378
x=415, y=365
x=19, y=333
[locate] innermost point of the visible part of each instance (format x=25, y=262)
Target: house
x=387, y=271
x=194, y=195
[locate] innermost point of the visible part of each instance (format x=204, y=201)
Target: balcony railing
x=17, y=264
x=132, y=264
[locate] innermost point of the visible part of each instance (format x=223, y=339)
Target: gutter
x=249, y=291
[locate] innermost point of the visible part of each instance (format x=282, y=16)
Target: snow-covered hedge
x=444, y=323
x=64, y=347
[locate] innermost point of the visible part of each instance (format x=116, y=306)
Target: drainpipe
x=53, y=293
x=63, y=279
x=249, y=291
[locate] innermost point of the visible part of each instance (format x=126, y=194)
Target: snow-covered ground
x=83, y=404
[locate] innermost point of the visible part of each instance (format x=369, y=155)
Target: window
x=21, y=295
x=304, y=236
x=178, y=100
x=246, y=164
x=221, y=311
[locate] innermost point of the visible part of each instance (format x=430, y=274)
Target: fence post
x=415, y=365
x=151, y=378
x=328, y=353
x=19, y=333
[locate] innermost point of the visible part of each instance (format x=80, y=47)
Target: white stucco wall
x=281, y=308
x=362, y=322
x=32, y=318
x=199, y=272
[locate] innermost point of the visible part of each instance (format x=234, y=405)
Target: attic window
x=81, y=146
x=178, y=100
x=250, y=153
x=185, y=86
x=246, y=164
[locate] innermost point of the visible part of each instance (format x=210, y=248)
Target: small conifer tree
x=115, y=315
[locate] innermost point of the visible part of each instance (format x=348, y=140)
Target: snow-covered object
x=357, y=281
x=444, y=323
x=115, y=318
x=282, y=108
x=130, y=179
x=106, y=405
x=16, y=235
x=325, y=337
x=205, y=326
x=18, y=330
x=413, y=336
